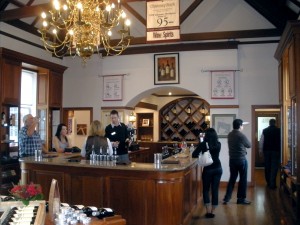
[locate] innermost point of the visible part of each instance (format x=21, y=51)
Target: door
x=262, y=118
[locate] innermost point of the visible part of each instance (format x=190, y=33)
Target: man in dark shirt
x=237, y=144
x=117, y=133
x=270, y=147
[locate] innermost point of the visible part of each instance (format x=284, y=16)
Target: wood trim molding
x=146, y=105
x=224, y=106
x=265, y=107
x=116, y=107
x=17, y=56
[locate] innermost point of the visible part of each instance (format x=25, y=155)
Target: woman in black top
x=211, y=175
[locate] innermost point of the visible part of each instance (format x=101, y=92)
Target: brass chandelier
x=82, y=27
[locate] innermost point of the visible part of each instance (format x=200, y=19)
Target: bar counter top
x=174, y=163
x=143, y=193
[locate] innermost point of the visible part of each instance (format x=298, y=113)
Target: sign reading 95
x=162, y=14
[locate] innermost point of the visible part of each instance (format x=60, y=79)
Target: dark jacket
x=214, y=151
x=272, y=139
x=237, y=144
x=97, y=142
x=118, y=133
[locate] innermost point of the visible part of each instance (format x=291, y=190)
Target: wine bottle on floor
x=104, y=212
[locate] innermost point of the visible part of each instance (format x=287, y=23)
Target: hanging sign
x=163, y=23
x=113, y=87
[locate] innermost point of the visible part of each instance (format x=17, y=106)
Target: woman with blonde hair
x=95, y=141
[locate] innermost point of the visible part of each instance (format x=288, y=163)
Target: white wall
x=25, y=48
x=255, y=84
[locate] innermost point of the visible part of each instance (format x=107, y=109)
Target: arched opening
x=154, y=106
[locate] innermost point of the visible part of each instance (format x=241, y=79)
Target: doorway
x=261, y=116
x=77, y=120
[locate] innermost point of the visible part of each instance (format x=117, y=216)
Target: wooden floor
x=266, y=208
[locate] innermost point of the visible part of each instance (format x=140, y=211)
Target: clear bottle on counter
x=192, y=148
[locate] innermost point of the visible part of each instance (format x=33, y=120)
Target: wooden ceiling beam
x=189, y=10
x=24, y=26
x=3, y=4
x=276, y=13
x=29, y=3
x=27, y=11
x=17, y=3
x=227, y=35
x=297, y=3
x=135, y=13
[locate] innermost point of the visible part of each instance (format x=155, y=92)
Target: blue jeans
x=211, y=179
x=272, y=159
x=237, y=167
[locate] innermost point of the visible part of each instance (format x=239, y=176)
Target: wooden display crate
x=41, y=213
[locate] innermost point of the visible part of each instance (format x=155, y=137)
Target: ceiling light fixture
x=81, y=27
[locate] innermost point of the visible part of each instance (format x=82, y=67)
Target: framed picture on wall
x=166, y=68
x=113, y=88
x=145, y=122
x=222, y=84
x=222, y=123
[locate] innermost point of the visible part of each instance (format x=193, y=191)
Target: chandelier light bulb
x=109, y=33
x=123, y=15
x=54, y=31
x=97, y=9
x=79, y=5
x=108, y=8
x=127, y=22
x=71, y=32
x=113, y=5
x=65, y=7
x=44, y=15
x=56, y=4
x=45, y=24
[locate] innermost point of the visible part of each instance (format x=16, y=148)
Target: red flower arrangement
x=27, y=192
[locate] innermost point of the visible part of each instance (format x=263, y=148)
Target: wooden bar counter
x=143, y=193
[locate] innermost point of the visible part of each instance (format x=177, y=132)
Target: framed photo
x=81, y=129
x=113, y=88
x=145, y=122
x=222, y=123
x=166, y=68
x=222, y=84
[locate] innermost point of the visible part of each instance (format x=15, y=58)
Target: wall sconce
x=207, y=120
x=132, y=117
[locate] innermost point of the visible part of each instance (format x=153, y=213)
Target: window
x=28, y=93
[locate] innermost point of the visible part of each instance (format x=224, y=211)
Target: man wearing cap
x=237, y=144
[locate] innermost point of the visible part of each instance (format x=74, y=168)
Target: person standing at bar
x=212, y=174
x=117, y=133
x=29, y=138
x=270, y=148
x=237, y=144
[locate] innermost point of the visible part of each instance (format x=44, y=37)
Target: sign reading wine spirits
x=222, y=84
x=163, y=22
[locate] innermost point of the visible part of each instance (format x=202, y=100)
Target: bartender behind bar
x=117, y=133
